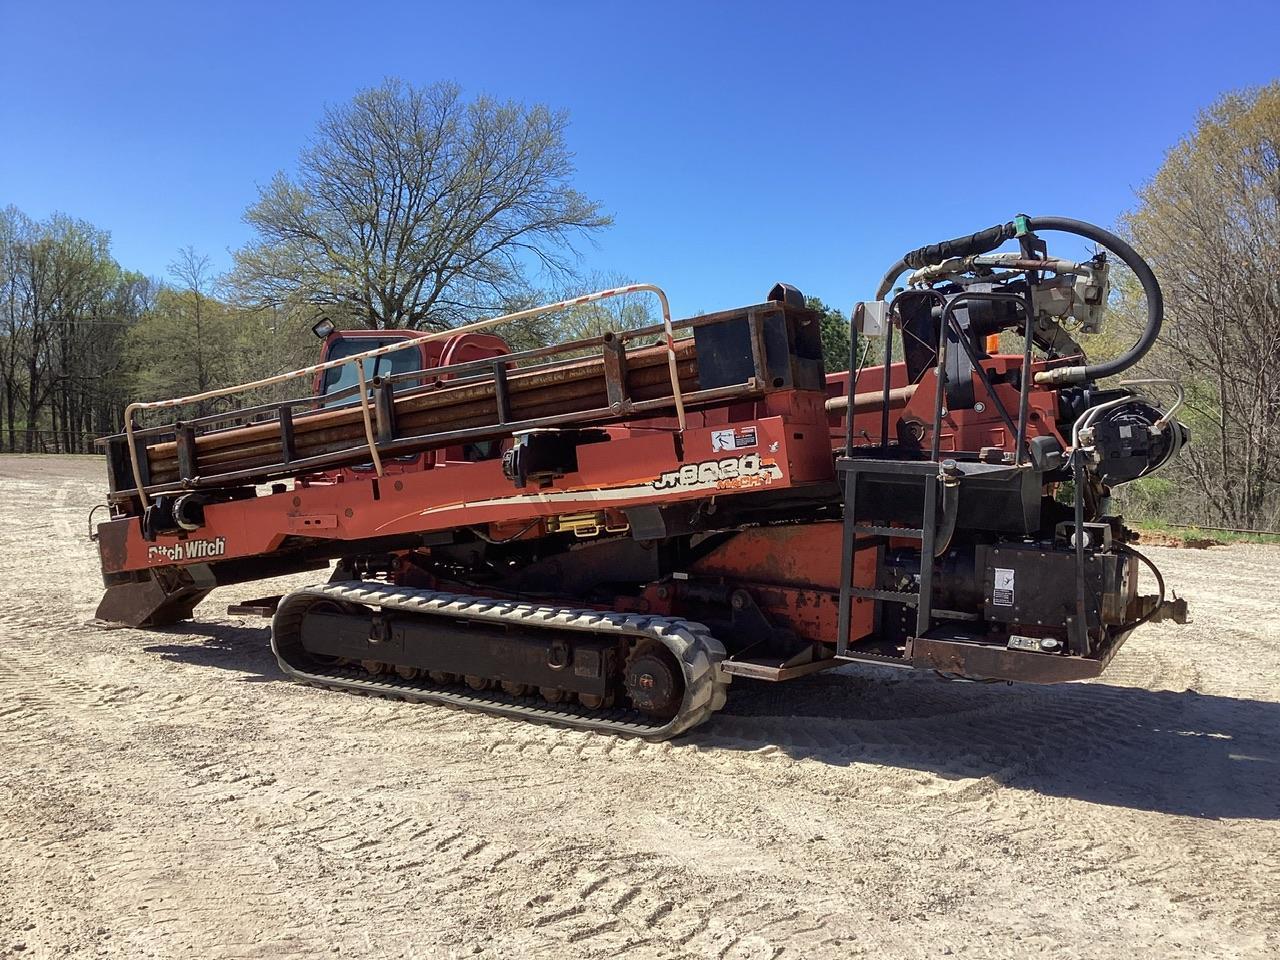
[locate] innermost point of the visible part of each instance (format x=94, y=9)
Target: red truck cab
x=425, y=356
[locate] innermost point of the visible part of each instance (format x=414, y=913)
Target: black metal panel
x=119, y=471
x=501, y=396
x=144, y=464
x=1035, y=585
x=790, y=341
x=994, y=498
x=559, y=660
x=186, y=442
x=385, y=411
x=288, y=451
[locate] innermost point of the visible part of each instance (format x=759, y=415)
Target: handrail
x=948, y=322
x=359, y=359
x=368, y=419
x=451, y=370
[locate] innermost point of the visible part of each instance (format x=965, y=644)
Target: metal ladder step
x=915, y=533
x=922, y=597
x=908, y=597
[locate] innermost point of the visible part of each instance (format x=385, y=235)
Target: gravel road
x=168, y=794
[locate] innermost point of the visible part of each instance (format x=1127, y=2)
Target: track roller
x=668, y=681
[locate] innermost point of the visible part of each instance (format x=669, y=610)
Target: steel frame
x=137, y=455
x=381, y=437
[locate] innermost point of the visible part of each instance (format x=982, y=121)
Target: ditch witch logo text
x=187, y=550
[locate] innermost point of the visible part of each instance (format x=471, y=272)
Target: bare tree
x=1209, y=222
x=191, y=271
x=413, y=208
x=625, y=312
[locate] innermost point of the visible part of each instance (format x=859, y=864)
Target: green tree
x=835, y=335
x=188, y=341
x=56, y=279
x=1209, y=223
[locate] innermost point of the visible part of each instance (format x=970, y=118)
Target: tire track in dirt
x=374, y=844
x=864, y=812
x=964, y=740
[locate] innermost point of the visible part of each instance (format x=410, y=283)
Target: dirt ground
x=168, y=794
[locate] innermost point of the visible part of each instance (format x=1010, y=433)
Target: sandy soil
x=168, y=794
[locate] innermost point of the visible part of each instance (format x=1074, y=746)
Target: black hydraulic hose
x=890, y=278
x=987, y=240
x=1081, y=620
x=950, y=510
x=1125, y=548
x=1150, y=289
x=980, y=242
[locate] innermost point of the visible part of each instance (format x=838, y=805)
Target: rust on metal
x=987, y=662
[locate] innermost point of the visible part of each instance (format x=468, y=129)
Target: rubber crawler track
x=699, y=655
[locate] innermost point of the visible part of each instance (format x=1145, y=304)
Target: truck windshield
x=340, y=378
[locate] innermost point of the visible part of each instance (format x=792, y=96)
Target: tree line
x=415, y=208
x=81, y=336
x=65, y=307
x=412, y=208
x=1209, y=224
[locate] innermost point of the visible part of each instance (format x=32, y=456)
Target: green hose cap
x=1020, y=227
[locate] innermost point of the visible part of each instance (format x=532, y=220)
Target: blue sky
x=735, y=144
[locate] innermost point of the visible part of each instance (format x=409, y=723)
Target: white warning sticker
x=1002, y=589
x=733, y=439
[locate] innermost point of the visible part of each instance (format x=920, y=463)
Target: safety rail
x=368, y=410
x=616, y=375
x=949, y=323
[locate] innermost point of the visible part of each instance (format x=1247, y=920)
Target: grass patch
x=1200, y=536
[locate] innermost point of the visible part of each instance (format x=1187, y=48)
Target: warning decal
x=733, y=439
x=1002, y=591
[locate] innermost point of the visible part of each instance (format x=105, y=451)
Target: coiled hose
x=986, y=240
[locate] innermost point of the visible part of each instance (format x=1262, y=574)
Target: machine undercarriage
x=603, y=533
